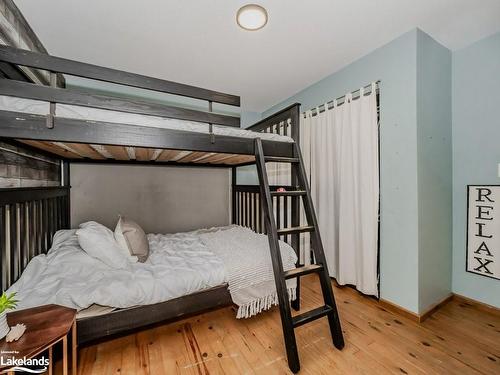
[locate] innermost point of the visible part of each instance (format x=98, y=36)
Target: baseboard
x=479, y=304
x=392, y=307
x=418, y=318
x=433, y=308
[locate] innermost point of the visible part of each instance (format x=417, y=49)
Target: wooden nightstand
x=45, y=326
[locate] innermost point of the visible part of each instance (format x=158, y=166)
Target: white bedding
x=70, y=277
x=36, y=107
x=178, y=264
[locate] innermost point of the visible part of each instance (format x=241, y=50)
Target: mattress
x=94, y=310
x=36, y=107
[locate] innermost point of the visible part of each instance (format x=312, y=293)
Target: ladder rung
x=304, y=270
x=292, y=230
x=279, y=159
x=291, y=193
x=311, y=315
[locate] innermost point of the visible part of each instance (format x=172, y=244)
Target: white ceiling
x=198, y=42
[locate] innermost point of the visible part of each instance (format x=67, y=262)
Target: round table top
x=45, y=325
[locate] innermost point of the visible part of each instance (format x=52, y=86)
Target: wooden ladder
x=329, y=309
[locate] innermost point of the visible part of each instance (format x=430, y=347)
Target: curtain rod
x=341, y=99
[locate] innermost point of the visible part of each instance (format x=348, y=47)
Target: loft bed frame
x=41, y=211
x=29, y=217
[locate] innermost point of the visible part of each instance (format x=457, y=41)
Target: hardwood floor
x=461, y=338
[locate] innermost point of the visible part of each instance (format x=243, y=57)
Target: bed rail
x=29, y=217
x=289, y=116
x=55, y=95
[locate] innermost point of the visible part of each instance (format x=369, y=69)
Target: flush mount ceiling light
x=251, y=17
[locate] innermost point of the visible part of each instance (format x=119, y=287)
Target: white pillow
x=131, y=238
x=99, y=242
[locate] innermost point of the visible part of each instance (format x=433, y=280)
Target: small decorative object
x=483, y=230
x=16, y=332
x=281, y=190
x=7, y=302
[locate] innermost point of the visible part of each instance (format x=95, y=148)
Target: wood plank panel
x=168, y=155
x=50, y=147
x=217, y=158
x=85, y=150
x=23, y=166
x=143, y=154
x=191, y=157
x=205, y=157
x=118, y=152
x=238, y=159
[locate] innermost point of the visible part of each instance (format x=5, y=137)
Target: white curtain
x=340, y=149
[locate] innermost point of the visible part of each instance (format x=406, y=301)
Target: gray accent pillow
x=130, y=236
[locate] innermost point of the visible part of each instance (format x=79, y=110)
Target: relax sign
x=483, y=230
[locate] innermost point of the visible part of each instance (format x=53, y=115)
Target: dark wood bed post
x=295, y=134
x=234, y=181
x=65, y=173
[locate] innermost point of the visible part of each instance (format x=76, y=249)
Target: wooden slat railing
x=29, y=218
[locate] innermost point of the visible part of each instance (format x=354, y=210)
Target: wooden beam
x=149, y=163
x=24, y=126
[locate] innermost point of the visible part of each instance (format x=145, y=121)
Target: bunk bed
x=76, y=126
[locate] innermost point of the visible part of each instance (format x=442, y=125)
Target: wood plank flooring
x=461, y=338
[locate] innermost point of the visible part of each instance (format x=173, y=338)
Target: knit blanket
x=248, y=267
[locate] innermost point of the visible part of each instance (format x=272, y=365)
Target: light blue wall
x=476, y=149
x=249, y=118
x=395, y=64
x=434, y=143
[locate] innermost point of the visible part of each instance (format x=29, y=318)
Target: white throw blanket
x=247, y=262
x=178, y=264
